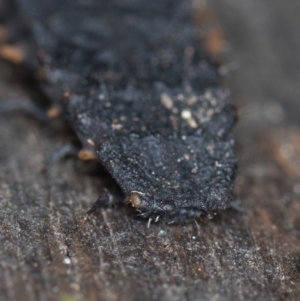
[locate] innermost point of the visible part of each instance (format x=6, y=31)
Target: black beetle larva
x=140, y=92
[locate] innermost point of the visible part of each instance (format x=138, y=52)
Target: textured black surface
x=48, y=253
x=140, y=91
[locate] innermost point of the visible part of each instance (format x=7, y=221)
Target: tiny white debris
x=186, y=114
x=210, y=112
x=192, y=123
x=67, y=260
x=91, y=142
x=101, y=96
x=138, y=192
x=166, y=101
x=186, y=157
x=195, y=169
x=192, y=100
x=117, y=126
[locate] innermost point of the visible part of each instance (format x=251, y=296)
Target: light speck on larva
x=192, y=100
x=195, y=169
x=166, y=101
x=210, y=112
x=186, y=114
x=91, y=142
x=192, y=123
x=117, y=126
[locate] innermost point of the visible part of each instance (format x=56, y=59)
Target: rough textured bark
x=49, y=253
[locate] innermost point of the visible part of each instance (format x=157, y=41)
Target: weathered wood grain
x=47, y=252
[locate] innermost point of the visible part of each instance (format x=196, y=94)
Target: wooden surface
x=47, y=252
